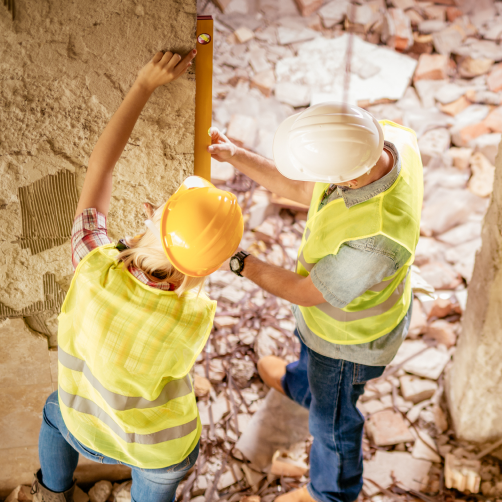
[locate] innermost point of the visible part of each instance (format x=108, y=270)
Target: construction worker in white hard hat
x=134, y=321
x=351, y=291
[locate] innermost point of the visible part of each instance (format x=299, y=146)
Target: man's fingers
x=157, y=57
x=217, y=135
x=218, y=149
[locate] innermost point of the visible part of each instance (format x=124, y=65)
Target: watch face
x=234, y=264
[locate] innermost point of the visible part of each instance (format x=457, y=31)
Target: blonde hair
x=145, y=252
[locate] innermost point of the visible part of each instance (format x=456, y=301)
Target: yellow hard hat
x=201, y=227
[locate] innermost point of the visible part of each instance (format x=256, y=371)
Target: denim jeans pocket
x=83, y=450
x=363, y=373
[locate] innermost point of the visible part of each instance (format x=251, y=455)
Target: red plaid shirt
x=89, y=232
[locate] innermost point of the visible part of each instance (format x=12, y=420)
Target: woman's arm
x=162, y=69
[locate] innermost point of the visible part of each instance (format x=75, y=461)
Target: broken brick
x=243, y=34
x=308, y=7
x=397, y=31
x=416, y=389
x=388, y=428
x=431, y=67
x=470, y=68
x=264, y=81
x=443, y=332
x=471, y=132
x=455, y=107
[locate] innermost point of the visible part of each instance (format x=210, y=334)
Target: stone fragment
x=483, y=174
x=360, y=14
x=425, y=448
x=453, y=13
x=494, y=120
x=243, y=34
x=396, y=31
x=20, y=494
x=494, y=79
x=373, y=406
x=434, y=143
x=292, y=94
x=422, y=42
x=455, y=107
x=242, y=370
x=431, y=67
x=461, y=156
x=447, y=40
x=487, y=144
x=431, y=26
x=465, y=135
x=470, y=68
x=252, y=477
x=442, y=307
x=480, y=49
x=308, y=7
x=284, y=465
x=418, y=323
x=287, y=35
x=443, y=332
x=417, y=389
x=202, y=386
x=429, y=364
x=230, y=477
x=387, y=428
x=447, y=208
x=483, y=97
x=440, y=275
x=449, y=92
x=440, y=420
x=278, y=423
x=100, y=491
x=387, y=468
x=242, y=130
x=333, y=12
x=264, y=82
x=219, y=408
x=462, y=474
x=258, y=60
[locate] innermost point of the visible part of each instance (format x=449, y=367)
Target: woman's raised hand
x=163, y=68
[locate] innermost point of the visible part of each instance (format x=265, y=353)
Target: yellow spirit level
x=203, y=96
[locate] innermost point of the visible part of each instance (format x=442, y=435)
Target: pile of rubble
x=431, y=66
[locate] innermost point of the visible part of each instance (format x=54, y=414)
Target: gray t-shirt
x=357, y=266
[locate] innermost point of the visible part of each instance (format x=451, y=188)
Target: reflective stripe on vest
x=124, y=357
x=394, y=213
x=172, y=389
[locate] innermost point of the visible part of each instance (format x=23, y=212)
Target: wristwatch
x=237, y=262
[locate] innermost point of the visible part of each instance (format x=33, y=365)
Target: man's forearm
x=282, y=283
x=264, y=172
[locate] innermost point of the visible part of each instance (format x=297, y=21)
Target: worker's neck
x=383, y=166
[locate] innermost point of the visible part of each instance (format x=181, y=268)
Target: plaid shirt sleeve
x=88, y=232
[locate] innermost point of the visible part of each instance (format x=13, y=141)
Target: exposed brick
x=431, y=67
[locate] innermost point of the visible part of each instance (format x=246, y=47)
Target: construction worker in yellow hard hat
x=132, y=324
x=351, y=291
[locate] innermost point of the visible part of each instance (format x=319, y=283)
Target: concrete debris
x=202, y=386
x=385, y=468
x=417, y=389
x=425, y=448
x=462, y=474
x=277, y=424
x=100, y=491
x=387, y=428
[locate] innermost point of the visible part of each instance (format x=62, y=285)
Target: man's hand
x=163, y=68
x=221, y=149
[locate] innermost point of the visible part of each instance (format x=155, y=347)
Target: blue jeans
x=329, y=389
x=58, y=452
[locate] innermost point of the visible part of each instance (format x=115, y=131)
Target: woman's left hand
x=163, y=68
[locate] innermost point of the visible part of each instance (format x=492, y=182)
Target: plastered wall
x=65, y=66
x=475, y=379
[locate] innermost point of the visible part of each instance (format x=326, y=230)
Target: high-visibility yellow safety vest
x=394, y=213
x=125, y=352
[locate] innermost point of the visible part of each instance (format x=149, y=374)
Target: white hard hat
x=328, y=142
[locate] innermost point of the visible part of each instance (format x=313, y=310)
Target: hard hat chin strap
x=151, y=226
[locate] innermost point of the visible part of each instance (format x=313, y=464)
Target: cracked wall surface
x=65, y=67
